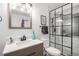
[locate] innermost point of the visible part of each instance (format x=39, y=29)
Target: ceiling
x=52, y=6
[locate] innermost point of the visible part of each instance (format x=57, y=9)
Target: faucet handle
x=11, y=40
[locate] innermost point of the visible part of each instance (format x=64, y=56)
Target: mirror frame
x=10, y=25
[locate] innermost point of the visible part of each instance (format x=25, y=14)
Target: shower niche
x=64, y=29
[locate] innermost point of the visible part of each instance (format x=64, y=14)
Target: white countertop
x=17, y=46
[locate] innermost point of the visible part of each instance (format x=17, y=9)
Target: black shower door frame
x=62, y=28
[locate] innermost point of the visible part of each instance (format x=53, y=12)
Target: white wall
x=38, y=9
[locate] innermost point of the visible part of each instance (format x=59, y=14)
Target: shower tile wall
x=76, y=29
x=64, y=29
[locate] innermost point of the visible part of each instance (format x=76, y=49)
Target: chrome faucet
x=23, y=38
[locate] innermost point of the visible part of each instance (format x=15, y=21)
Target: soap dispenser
x=33, y=35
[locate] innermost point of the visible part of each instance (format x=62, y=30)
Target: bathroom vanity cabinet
x=33, y=50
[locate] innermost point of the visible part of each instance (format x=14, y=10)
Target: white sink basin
x=21, y=43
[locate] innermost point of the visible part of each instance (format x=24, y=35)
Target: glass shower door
x=61, y=29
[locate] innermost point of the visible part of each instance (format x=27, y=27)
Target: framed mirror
x=20, y=15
